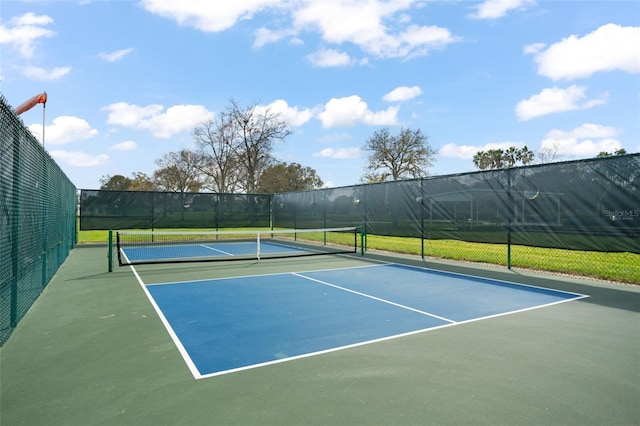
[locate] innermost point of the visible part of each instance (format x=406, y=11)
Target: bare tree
x=256, y=133
x=179, y=171
x=215, y=139
x=237, y=146
x=396, y=157
x=550, y=154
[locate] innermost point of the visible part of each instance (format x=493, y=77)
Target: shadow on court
x=92, y=351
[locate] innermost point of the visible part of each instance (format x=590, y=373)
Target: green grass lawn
x=623, y=267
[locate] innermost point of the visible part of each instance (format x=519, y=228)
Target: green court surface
x=93, y=351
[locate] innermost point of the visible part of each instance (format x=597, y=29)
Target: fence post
x=509, y=217
x=110, y=248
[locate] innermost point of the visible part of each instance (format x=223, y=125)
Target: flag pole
x=44, y=107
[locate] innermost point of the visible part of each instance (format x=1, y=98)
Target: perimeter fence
x=109, y=209
x=579, y=217
x=37, y=219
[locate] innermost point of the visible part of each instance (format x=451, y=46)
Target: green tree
x=499, y=158
x=141, y=182
x=394, y=157
x=179, y=172
x=620, y=151
x=116, y=182
x=285, y=177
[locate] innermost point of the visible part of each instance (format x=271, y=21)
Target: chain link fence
x=577, y=217
x=37, y=219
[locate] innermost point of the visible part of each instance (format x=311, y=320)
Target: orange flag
x=37, y=99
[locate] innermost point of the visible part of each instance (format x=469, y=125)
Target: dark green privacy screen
x=583, y=205
x=37, y=219
x=104, y=209
x=591, y=205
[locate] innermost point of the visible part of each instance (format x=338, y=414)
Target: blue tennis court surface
x=231, y=324
x=195, y=251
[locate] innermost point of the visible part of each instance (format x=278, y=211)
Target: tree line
x=233, y=154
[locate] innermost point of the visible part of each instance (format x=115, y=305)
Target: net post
x=363, y=239
x=110, y=253
x=258, y=246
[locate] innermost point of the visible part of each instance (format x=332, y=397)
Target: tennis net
x=146, y=247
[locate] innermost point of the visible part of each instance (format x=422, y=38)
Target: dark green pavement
x=92, y=351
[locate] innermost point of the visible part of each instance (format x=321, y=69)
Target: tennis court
x=225, y=325
x=340, y=339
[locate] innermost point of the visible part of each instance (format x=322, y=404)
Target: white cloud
x=291, y=115
x=265, y=36
x=326, y=58
x=554, y=100
x=79, y=158
x=610, y=47
x=585, y=141
x=64, y=129
x=331, y=138
x=206, y=15
x=352, y=110
x=124, y=146
x=175, y=119
x=340, y=153
x=402, y=93
x=370, y=25
x=492, y=9
x=380, y=28
x=38, y=73
x=466, y=152
x=532, y=49
x=117, y=55
x=24, y=31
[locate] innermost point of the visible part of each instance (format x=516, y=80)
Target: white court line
x=489, y=280
x=197, y=375
x=368, y=342
x=185, y=354
x=324, y=351
x=215, y=249
x=376, y=298
x=263, y=275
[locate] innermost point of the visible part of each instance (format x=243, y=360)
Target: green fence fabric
x=37, y=219
x=578, y=205
x=106, y=209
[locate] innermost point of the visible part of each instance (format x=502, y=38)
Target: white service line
x=215, y=249
x=376, y=298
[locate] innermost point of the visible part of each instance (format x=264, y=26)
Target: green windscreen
x=580, y=205
x=37, y=219
x=104, y=209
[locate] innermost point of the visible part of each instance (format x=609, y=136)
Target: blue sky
x=128, y=81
